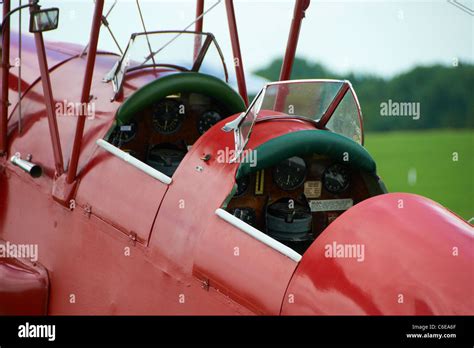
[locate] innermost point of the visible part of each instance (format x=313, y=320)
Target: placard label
x=330, y=204
x=312, y=189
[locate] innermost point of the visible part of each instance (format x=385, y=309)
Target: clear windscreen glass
x=307, y=99
x=346, y=118
x=184, y=50
x=245, y=126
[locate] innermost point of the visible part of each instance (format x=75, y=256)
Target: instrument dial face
x=336, y=178
x=242, y=186
x=168, y=116
x=247, y=215
x=124, y=134
x=290, y=173
x=207, y=120
x=166, y=160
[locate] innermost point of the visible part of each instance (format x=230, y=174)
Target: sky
x=384, y=38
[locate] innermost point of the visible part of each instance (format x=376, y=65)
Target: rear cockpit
x=161, y=121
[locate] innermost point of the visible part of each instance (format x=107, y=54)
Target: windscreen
x=180, y=50
x=184, y=49
x=346, y=119
x=306, y=99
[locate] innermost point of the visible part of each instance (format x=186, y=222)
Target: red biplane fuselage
x=120, y=241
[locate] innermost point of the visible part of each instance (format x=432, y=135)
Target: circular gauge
x=336, y=178
x=207, y=120
x=247, y=215
x=287, y=220
x=165, y=160
x=167, y=116
x=242, y=186
x=124, y=134
x=290, y=173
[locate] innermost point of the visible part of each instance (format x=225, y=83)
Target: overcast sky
x=380, y=37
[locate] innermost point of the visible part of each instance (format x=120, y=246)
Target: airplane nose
x=377, y=259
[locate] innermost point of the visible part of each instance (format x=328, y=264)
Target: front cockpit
x=292, y=186
x=297, y=184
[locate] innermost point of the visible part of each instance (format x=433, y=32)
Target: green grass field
x=424, y=162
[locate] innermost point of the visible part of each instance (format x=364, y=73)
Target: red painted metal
x=56, y=53
x=218, y=263
x=131, y=245
x=238, y=63
x=86, y=88
x=5, y=74
x=287, y=64
x=24, y=287
x=298, y=15
x=65, y=75
x=417, y=261
x=126, y=232
x=148, y=195
x=49, y=102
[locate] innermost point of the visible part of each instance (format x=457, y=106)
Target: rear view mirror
x=44, y=20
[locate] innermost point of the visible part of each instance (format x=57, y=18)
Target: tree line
x=443, y=94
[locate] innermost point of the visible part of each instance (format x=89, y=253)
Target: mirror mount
x=234, y=124
x=42, y=20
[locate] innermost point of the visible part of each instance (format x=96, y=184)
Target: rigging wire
x=105, y=22
x=146, y=32
x=179, y=34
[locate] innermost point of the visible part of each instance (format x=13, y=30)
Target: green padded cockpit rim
x=301, y=143
x=186, y=82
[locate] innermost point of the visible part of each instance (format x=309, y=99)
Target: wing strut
x=234, y=36
x=86, y=88
x=198, y=28
x=49, y=100
x=300, y=7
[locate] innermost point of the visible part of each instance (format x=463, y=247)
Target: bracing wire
x=179, y=34
x=146, y=32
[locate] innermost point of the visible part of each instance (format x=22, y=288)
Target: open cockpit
x=293, y=186
x=160, y=121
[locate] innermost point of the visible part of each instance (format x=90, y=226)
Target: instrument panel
x=336, y=178
x=161, y=134
x=290, y=174
x=168, y=116
x=295, y=200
